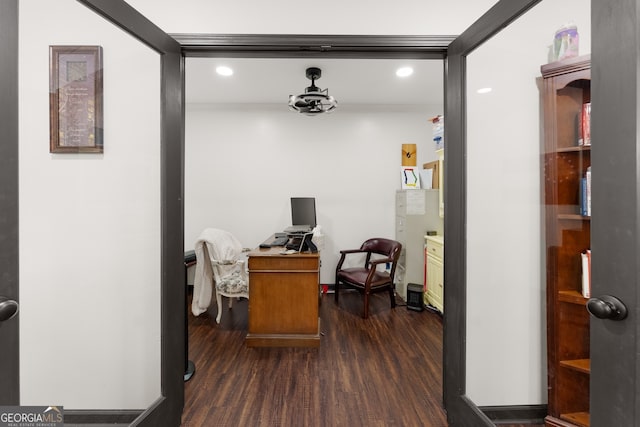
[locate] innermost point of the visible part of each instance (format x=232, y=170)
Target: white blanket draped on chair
x=219, y=264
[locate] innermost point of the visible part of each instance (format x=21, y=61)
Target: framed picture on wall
x=410, y=177
x=75, y=99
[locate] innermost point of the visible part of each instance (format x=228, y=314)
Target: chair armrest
x=352, y=251
x=231, y=262
x=344, y=253
x=240, y=265
x=380, y=261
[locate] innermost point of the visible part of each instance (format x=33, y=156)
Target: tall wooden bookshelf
x=566, y=87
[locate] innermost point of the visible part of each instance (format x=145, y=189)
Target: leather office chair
x=369, y=278
x=220, y=263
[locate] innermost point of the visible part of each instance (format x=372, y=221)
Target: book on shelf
x=584, y=124
x=587, y=177
x=584, y=196
x=582, y=199
x=586, y=273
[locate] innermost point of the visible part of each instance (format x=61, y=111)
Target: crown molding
x=308, y=45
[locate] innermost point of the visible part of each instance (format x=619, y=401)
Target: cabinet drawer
x=284, y=263
x=435, y=249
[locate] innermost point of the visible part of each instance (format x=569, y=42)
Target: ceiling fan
x=314, y=100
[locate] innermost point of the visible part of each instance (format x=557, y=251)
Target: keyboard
x=279, y=241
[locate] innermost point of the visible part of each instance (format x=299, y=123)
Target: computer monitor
x=303, y=211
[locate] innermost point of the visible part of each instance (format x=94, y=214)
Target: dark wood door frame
x=9, y=266
x=167, y=410
x=615, y=224
x=461, y=411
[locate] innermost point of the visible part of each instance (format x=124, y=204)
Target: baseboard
x=94, y=418
x=520, y=414
x=433, y=309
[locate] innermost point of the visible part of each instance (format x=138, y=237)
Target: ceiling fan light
x=314, y=100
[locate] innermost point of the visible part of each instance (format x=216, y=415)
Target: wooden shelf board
x=580, y=365
x=574, y=297
x=574, y=217
x=575, y=148
x=577, y=418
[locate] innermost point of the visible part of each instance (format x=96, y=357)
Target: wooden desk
x=283, y=299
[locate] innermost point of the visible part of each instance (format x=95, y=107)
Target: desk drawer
x=284, y=263
x=435, y=249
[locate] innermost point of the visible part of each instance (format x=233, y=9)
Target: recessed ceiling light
x=404, y=72
x=224, y=71
x=484, y=90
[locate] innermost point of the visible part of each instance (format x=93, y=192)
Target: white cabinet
x=416, y=213
x=434, y=271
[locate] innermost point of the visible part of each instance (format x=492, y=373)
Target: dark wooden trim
x=460, y=410
x=517, y=414
x=84, y=417
x=464, y=413
x=492, y=22
x=155, y=414
x=168, y=409
x=328, y=46
x=9, y=217
x=567, y=65
x=615, y=81
x=454, y=337
x=131, y=21
x=455, y=332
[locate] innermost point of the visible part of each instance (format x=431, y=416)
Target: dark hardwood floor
x=382, y=371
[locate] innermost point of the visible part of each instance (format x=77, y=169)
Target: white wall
x=89, y=225
x=244, y=163
x=506, y=323
x=402, y=17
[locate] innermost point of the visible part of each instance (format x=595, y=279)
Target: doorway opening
x=263, y=119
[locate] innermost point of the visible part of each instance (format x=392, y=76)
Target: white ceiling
x=356, y=17
x=350, y=81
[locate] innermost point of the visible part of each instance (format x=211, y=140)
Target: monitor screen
x=303, y=211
